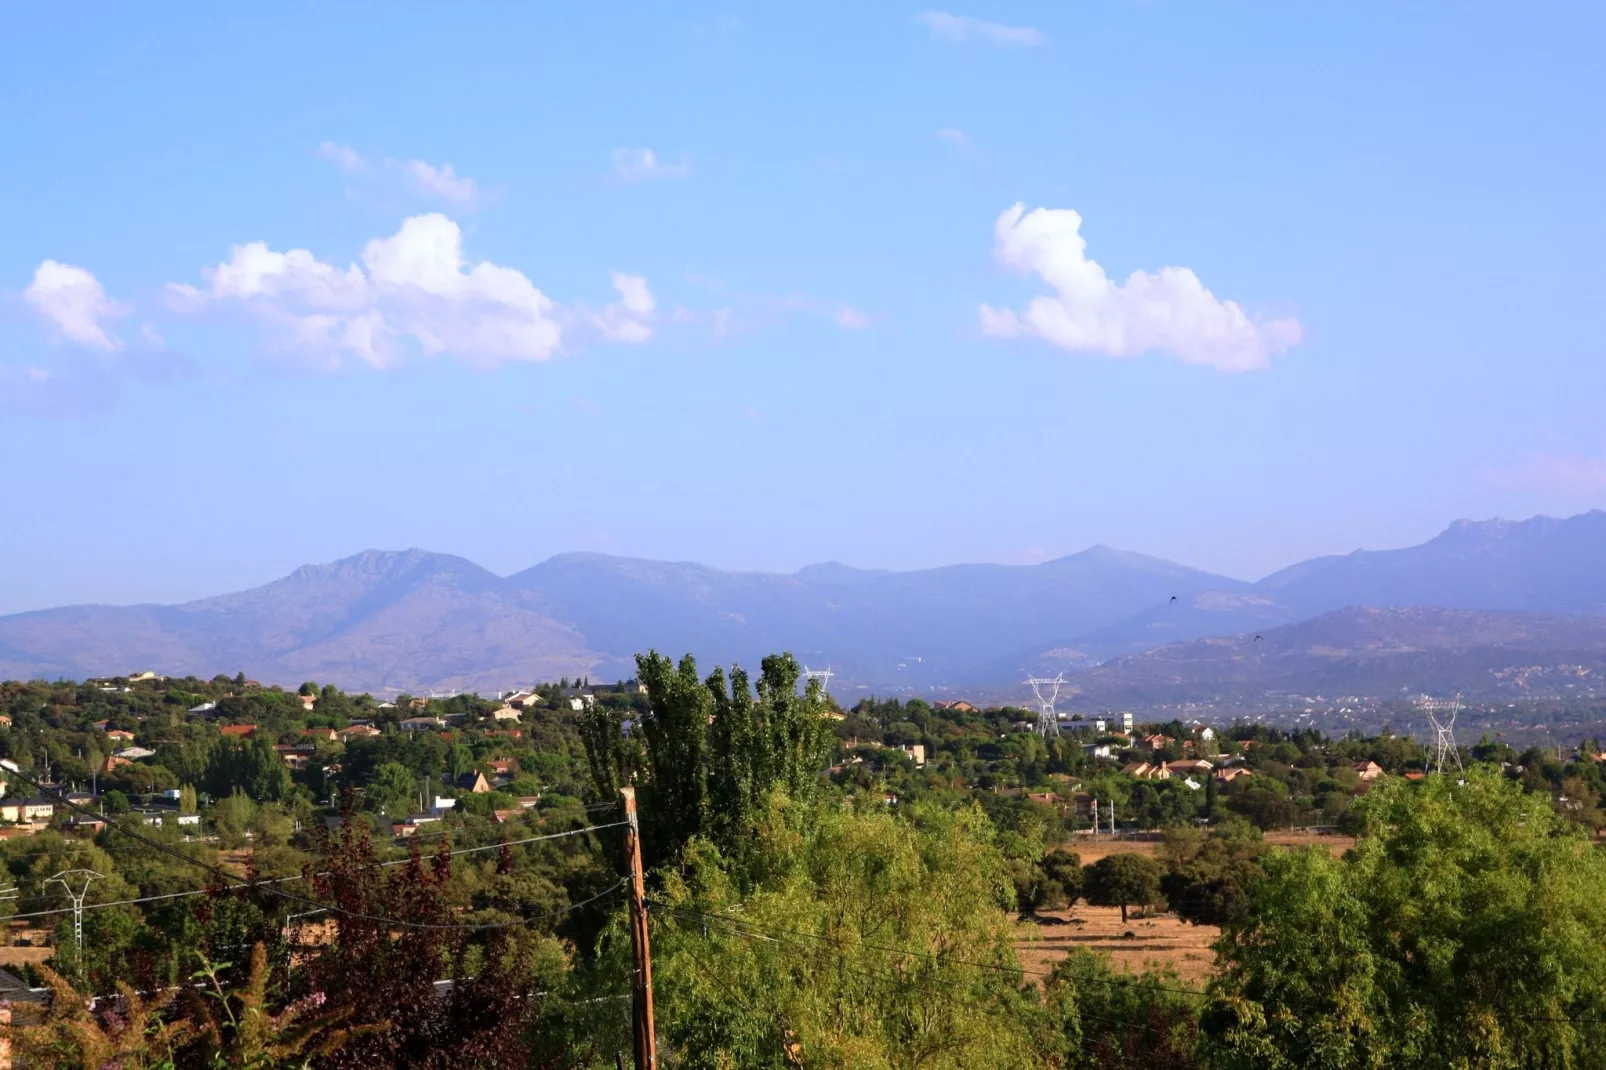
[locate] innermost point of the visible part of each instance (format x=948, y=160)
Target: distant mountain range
x=414, y=620
x=1378, y=653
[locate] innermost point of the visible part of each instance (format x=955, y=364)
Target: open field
x=1333, y=842
x=1160, y=940
x=21, y=956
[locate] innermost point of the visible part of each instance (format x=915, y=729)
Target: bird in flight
x=1173, y=598
x=1257, y=638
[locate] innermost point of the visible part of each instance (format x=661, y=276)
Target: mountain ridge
x=414, y=619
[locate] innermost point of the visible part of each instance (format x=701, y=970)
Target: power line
x=239, y=882
x=281, y=880
x=841, y=945
x=944, y=992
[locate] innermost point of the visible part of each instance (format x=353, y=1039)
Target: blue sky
x=741, y=284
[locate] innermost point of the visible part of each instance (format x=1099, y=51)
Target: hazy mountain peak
x=1100, y=555
x=413, y=618
x=382, y=566
x=836, y=572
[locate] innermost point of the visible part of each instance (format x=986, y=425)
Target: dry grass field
x=1163, y=940
x=1160, y=940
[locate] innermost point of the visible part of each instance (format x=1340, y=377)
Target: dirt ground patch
x=1333, y=842
x=1091, y=850
x=21, y=956
x=1162, y=940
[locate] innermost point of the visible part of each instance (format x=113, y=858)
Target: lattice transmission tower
x=76, y=882
x=1441, y=713
x=823, y=675
x=1047, y=723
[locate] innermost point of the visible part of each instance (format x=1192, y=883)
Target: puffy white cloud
x=74, y=300
x=643, y=165
x=1166, y=311
x=413, y=285
x=962, y=28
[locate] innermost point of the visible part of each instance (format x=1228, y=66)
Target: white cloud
x=629, y=318
x=442, y=181
x=851, y=319
x=73, y=299
x=962, y=28
x=643, y=165
x=1166, y=311
x=954, y=137
x=344, y=156
x=633, y=289
x=413, y=286
x=420, y=175
x=1567, y=475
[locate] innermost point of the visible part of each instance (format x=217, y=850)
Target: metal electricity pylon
x=1441, y=715
x=1047, y=723
x=82, y=878
x=823, y=675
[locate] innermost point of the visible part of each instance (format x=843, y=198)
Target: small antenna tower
x=1441, y=715
x=1047, y=723
x=823, y=675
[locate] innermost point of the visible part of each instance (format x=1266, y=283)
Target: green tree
x=1461, y=930
x=1109, y=1020
x=1065, y=869
x=1122, y=880
x=392, y=790
x=778, y=740
x=866, y=943
x=674, y=731
x=250, y=765
x=710, y=754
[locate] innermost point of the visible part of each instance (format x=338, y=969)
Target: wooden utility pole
x=641, y=1002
